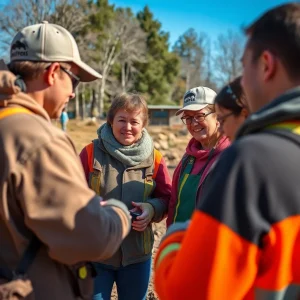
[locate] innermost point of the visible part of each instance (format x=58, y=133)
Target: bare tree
x=125, y=43
x=208, y=74
x=133, y=50
x=229, y=49
x=71, y=14
x=19, y=13
x=189, y=48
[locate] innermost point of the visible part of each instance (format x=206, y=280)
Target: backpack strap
x=94, y=166
x=152, y=170
x=157, y=160
x=25, y=262
x=148, y=181
x=150, y=174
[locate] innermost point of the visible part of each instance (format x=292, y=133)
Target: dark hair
x=278, y=31
x=130, y=102
x=29, y=70
x=231, y=96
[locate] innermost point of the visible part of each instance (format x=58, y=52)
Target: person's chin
x=201, y=137
x=127, y=142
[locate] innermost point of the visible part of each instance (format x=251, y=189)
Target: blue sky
x=212, y=17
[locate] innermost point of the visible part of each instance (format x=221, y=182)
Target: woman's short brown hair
x=130, y=102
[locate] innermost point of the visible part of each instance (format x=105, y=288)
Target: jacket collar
x=284, y=108
x=11, y=95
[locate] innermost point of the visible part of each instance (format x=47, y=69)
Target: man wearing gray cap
x=50, y=221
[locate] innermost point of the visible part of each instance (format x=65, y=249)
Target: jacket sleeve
x=162, y=191
x=214, y=258
x=62, y=211
x=174, y=193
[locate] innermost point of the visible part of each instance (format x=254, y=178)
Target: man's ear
x=268, y=64
x=244, y=113
x=51, y=74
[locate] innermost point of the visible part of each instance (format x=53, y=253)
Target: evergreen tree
x=156, y=77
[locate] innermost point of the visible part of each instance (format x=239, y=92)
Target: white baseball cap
x=197, y=98
x=46, y=42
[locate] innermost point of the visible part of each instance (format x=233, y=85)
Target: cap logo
x=189, y=97
x=19, y=49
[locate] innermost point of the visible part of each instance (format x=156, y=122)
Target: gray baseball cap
x=197, y=98
x=46, y=42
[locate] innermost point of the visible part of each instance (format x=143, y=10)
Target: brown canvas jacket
x=43, y=192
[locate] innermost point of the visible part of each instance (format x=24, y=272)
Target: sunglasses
x=75, y=79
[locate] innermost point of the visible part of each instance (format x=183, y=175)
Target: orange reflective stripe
x=90, y=153
x=280, y=263
x=174, y=238
x=157, y=159
x=13, y=110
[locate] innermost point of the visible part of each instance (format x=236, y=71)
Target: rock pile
x=171, y=144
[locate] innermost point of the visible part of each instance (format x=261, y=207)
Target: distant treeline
x=130, y=51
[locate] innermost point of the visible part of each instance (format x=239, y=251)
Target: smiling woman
x=123, y=164
x=203, y=149
x=128, y=115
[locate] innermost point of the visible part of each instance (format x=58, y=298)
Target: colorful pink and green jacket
x=188, y=179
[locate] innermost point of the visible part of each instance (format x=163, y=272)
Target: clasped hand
x=142, y=221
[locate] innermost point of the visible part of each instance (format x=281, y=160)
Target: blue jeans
x=131, y=281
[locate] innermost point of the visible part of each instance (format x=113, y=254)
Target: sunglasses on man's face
x=75, y=79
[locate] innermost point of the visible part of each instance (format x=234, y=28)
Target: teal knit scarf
x=129, y=155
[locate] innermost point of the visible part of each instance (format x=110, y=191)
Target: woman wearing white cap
x=198, y=114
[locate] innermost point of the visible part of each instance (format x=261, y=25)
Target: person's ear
x=244, y=113
x=268, y=64
x=51, y=74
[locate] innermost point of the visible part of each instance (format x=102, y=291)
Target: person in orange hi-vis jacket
x=243, y=240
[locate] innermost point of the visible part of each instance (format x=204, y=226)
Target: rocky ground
x=171, y=143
